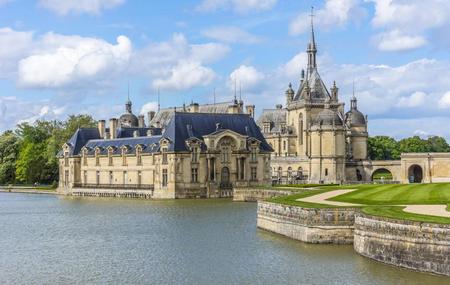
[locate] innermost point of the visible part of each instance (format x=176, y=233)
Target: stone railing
x=114, y=186
x=253, y=194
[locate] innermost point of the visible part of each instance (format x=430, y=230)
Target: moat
x=46, y=239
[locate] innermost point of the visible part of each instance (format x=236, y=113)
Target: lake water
x=45, y=239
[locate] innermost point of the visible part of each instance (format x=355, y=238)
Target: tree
x=383, y=148
x=9, y=151
x=414, y=144
x=438, y=144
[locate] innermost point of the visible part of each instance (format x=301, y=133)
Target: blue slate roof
x=180, y=128
x=183, y=126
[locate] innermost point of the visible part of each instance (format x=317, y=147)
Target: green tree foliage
x=39, y=145
x=383, y=148
x=9, y=151
x=387, y=148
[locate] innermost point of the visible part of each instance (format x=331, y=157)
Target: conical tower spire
x=312, y=49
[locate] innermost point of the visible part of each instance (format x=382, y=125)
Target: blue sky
x=67, y=57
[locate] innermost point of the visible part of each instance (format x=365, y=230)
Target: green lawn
x=382, y=200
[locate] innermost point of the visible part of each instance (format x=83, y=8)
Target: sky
x=84, y=56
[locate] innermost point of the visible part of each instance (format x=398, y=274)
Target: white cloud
x=14, y=45
x=64, y=7
x=185, y=75
x=240, y=6
x=444, y=101
x=395, y=41
x=335, y=13
x=147, y=107
x=246, y=77
x=414, y=100
x=405, y=23
x=170, y=63
x=59, y=61
x=231, y=34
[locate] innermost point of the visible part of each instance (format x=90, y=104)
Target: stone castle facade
x=187, y=152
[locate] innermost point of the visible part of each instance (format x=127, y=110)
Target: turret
x=334, y=92
x=289, y=94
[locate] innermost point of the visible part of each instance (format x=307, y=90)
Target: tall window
x=284, y=145
x=194, y=175
x=125, y=178
x=164, y=178
x=254, y=173
x=164, y=155
x=254, y=154
x=97, y=177
x=326, y=171
x=267, y=127
x=242, y=169
x=139, y=180
x=138, y=156
x=85, y=177
x=195, y=154
x=111, y=177
x=300, y=131
x=212, y=169
x=225, y=154
x=280, y=172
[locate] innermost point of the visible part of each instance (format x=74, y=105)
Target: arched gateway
x=415, y=174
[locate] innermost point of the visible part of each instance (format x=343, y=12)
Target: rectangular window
x=164, y=178
x=85, y=177
x=212, y=169
x=111, y=177
x=125, y=178
x=138, y=157
x=195, y=154
x=242, y=168
x=326, y=171
x=194, y=175
x=66, y=177
x=110, y=159
x=97, y=178
x=139, y=180
x=124, y=158
x=164, y=156
x=254, y=173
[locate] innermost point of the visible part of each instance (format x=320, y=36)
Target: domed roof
x=328, y=117
x=128, y=120
x=354, y=117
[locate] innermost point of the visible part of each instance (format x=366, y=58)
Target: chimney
x=102, y=128
x=233, y=109
x=251, y=110
x=112, y=128
x=150, y=115
x=194, y=108
x=141, y=121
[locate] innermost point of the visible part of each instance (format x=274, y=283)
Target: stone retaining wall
x=256, y=194
x=334, y=225
x=414, y=245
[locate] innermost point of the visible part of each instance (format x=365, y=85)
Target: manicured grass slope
x=382, y=198
x=438, y=193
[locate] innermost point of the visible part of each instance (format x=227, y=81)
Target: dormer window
x=85, y=161
x=66, y=158
x=110, y=157
x=97, y=157
x=254, y=153
x=124, y=156
x=283, y=128
x=266, y=128
x=139, y=155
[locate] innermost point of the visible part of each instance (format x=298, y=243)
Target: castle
x=208, y=150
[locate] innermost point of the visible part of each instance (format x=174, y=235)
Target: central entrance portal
x=226, y=187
